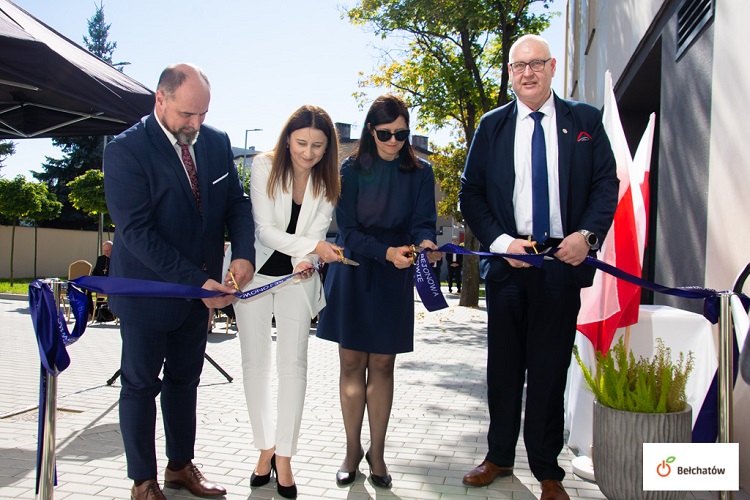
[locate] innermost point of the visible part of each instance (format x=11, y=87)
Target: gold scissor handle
x=234, y=281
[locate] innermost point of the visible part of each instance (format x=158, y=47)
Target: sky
x=264, y=59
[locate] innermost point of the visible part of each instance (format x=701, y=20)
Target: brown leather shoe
x=192, y=479
x=148, y=490
x=553, y=490
x=485, y=473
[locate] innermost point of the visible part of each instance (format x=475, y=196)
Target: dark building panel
x=681, y=214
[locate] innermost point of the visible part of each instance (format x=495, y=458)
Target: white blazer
x=272, y=218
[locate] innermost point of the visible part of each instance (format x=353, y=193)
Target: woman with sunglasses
x=387, y=204
x=293, y=190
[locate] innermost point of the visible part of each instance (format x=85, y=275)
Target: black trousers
x=144, y=352
x=531, y=327
x=454, y=276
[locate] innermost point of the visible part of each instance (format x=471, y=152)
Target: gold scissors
x=344, y=260
x=234, y=281
x=414, y=252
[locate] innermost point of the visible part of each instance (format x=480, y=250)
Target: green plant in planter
x=646, y=386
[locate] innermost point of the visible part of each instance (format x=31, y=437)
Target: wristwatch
x=591, y=239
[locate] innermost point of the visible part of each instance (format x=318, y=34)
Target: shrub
x=646, y=386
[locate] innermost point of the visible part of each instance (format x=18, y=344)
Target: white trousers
x=289, y=305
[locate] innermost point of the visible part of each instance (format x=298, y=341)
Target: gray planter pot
x=618, y=449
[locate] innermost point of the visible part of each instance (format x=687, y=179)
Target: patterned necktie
x=539, y=188
x=187, y=159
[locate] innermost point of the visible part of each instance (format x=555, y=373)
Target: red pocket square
x=583, y=136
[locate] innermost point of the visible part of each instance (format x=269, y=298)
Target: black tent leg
x=114, y=377
x=216, y=365
x=205, y=355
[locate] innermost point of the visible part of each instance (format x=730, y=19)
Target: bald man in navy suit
x=532, y=312
x=172, y=190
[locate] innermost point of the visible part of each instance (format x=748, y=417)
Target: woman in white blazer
x=293, y=190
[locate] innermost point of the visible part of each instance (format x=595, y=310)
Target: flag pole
x=47, y=474
x=725, y=375
x=627, y=338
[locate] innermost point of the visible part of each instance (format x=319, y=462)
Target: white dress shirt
x=522, y=193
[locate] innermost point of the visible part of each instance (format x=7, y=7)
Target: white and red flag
x=611, y=303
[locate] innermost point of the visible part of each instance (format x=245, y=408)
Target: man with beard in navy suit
x=172, y=189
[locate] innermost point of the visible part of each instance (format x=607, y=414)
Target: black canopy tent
x=52, y=87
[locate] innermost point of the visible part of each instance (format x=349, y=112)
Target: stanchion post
x=47, y=474
x=726, y=370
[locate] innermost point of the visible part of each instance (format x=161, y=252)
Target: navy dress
x=370, y=308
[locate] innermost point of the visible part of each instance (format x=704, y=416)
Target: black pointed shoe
x=343, y=478
x=256, y=480
x=379, y=481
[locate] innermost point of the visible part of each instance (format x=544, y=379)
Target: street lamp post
x=250, y=130
x=244, y=173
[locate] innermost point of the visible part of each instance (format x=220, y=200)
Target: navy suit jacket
x=159, y=233
x=587, y=179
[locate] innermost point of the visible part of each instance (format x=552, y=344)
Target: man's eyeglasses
x=536, y=65
x=385, y=135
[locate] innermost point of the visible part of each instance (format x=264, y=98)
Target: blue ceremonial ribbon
x=428, y=286
x=52, y=336
x=710, y=296
x=145, y=288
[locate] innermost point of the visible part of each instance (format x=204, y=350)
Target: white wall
x=728, y=246
x=620, y=25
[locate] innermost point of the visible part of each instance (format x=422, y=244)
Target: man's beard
x=186, y=137
x=183, y=135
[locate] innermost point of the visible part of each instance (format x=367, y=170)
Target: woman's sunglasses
x=385, y=135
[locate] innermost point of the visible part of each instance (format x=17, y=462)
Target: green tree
x=49, y=208
x=7, y=148
x=453, y=66
x=80, y=153
x=18, y=198
x=87, y=195
x=98, y=44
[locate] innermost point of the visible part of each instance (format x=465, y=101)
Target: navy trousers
x=144, y=352
x=531, y=325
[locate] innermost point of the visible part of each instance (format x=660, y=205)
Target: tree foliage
x=80, y=153
x=7, y=148
x=453, y=66
x=448, y=162
x=99, y=33
x=18, y=198
x=49, y=208
x=87, y=192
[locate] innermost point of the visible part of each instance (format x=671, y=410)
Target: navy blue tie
x=539, y=189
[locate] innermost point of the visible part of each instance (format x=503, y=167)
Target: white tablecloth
x=681, y=331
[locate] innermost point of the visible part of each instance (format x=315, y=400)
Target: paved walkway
x=436, y=434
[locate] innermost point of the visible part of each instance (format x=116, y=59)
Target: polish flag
x=610, y=303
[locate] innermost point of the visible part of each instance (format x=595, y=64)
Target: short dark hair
x=385, y=109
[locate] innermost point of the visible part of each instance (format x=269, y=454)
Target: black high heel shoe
x=284, y=491
x=379, y=481
x=343, y=478
x=256, y=480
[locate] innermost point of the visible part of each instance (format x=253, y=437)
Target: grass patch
x=20, y=285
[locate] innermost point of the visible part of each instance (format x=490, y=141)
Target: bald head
x=175, y=75
x=531, y=69
x=182, y=98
